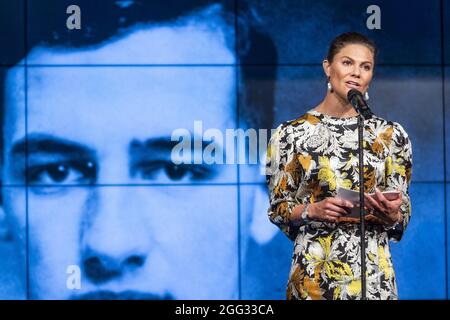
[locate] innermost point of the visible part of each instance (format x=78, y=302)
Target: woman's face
x=351, y=68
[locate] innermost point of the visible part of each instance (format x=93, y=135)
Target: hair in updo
x=350, y=38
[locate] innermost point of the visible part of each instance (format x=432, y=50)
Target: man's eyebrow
x=160, y=144
x=44, y=143
x=164, y=144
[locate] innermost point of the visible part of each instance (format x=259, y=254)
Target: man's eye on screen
x=166, y=170
x=62, y=173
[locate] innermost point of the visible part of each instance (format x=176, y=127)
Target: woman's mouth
x=353, y=84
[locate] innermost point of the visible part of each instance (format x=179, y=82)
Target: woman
x=309, y=158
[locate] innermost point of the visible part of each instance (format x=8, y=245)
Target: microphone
x=356, y=99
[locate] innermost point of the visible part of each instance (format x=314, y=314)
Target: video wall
x=134, y=133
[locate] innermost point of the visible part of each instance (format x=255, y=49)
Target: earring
x=329, y=87
x=366, y=95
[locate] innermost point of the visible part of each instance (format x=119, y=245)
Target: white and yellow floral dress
x=307, y=160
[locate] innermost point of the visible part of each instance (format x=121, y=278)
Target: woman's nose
x=356, y=72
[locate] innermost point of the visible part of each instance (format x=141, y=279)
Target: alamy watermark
x=73, y=281
x=374, y=20
x=218, y=147
x=74, y=20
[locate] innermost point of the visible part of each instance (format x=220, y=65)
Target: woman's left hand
x=390, y=209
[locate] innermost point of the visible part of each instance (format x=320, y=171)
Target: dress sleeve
x=398, y=170
x=283, y=175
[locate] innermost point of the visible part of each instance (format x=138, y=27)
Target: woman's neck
x=335, y=106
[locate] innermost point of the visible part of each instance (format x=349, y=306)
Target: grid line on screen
x=444, y=141
x=27, y=227
x=156, y=185
x=238, y=176
x=131, y=65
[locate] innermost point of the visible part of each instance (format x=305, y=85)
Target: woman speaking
x=314, y=156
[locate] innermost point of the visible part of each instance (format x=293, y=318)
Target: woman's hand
x=329, y=209
x=389, y=209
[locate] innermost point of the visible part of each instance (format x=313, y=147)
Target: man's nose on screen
x=114, y=241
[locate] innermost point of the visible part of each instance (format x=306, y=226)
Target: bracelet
x=304, y=215
x=400, y=216
x=396, y=223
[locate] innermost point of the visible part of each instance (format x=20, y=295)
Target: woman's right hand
x=329, y=209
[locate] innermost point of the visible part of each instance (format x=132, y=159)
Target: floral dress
x=307, y=160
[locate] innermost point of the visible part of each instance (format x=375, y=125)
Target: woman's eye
x=62, y=173
x=346, y=62
x=367, y=68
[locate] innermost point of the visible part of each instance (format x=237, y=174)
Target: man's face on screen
x=104, y=194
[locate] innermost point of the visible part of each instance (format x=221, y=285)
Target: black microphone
x=356, y=99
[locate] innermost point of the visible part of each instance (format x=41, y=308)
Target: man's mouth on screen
x=123, y=295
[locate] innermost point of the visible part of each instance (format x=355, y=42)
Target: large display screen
x=134, y=136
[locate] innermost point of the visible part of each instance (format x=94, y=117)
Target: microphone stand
x=361, y=206
x=357, y=101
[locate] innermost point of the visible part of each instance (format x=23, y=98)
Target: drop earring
x=366, y=95
x=329, y=87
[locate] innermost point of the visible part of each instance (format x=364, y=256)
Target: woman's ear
x=326, y=67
